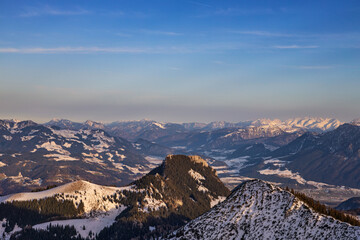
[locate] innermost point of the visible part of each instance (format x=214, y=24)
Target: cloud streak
x=158, y=32
x=49, y=11
x=314, y=67
x=295, y=47
x=242, y=11
x=72, y=50
x=263, y=33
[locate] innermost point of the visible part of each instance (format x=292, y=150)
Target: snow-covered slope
x=314, y=124
x=181, y=188
x=94, y=197
x=259, y=210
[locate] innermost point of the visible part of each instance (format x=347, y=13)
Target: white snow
x=122, y=156
x=276, y=162
x=4, y=235
x=159, y=125
x=119, y=166
x=33, y=131
x=93, y=224
x=26, y=138
x=283, y=173
x=26, y=181
x=197, y=176
x=66, y=133
x=2, y=164
x=53, y=147
x=215, y=201
x=89, y=193
x=9, y=138
x=265, y=212
x=60, y=157
x=67, y=145
x=136, y=170
x=152, y=204
x=201, y=188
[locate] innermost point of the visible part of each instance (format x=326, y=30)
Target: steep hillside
x=180, y=189
x=259, y=210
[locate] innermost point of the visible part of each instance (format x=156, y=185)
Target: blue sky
x=179, y=60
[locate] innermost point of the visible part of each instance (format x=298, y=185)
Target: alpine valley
x=152, y=180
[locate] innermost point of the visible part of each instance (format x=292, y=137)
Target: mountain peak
x=260, y=210
x=193, y=158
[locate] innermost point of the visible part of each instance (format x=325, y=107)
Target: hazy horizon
x=179, y=61
x=148, y=119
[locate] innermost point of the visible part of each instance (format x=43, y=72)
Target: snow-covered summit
x=260, y=210
x=314, y=124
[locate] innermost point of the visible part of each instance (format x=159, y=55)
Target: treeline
x=52, y=232
x=24, y=213
x=323, y=209
x=44, y=188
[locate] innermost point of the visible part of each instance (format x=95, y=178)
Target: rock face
x=180, y=189
x=259, y=210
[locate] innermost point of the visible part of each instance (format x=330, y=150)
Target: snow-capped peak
x=260, y=210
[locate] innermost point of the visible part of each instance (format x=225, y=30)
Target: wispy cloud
x=200, y=4
x=72, y=50
x=315, y=67
x=94, y=50
x=50, y=11
x=294, y=47
x=263, y=33
x=159, y=32
x=242, y=11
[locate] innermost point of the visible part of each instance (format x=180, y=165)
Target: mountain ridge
x=258, y=210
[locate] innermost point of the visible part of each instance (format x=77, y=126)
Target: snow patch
x=95, y=225
x=9, y=138
x=26, y=138
x=284, y=174
x=60, y=157
x=197, y=176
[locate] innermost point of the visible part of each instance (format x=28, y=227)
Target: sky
x=179, y=60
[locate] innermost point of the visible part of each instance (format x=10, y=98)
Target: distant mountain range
x=332, y=157
x=290, y=152
x=33, y=155
x=151, y=130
